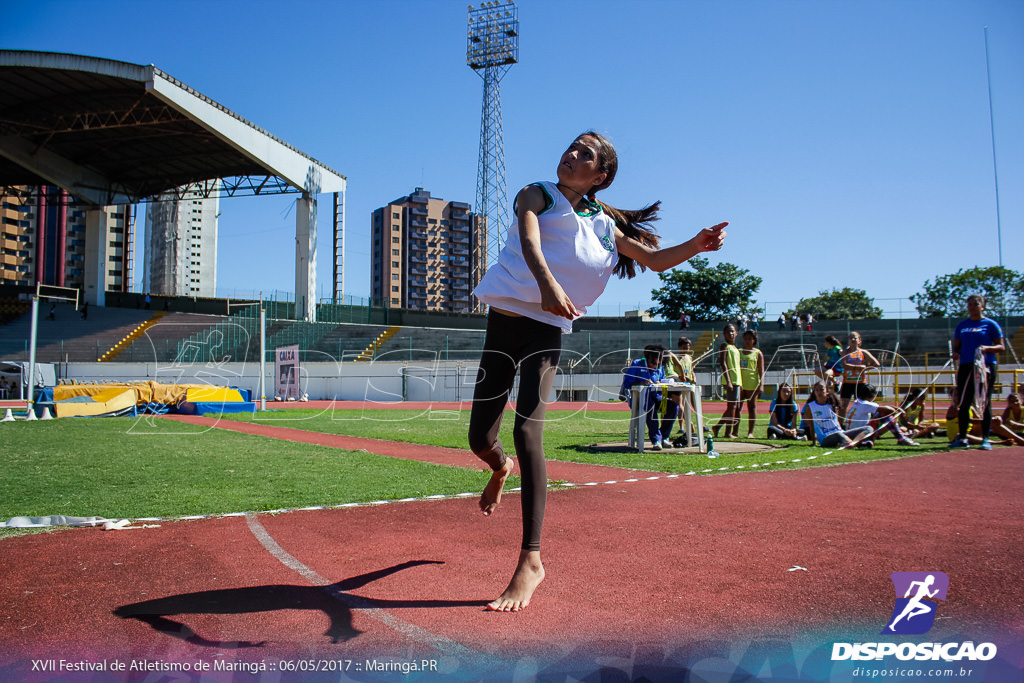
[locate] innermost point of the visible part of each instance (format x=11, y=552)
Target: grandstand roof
x=112, y=132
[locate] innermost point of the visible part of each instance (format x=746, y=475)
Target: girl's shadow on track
x=333, y=600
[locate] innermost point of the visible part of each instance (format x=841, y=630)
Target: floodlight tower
x=492, y=48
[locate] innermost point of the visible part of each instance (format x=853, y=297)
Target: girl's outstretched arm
x=708, y=239
x=553, y=299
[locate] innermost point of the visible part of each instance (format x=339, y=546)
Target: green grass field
x=568, y=436
x=149, y=467
x=113, y=468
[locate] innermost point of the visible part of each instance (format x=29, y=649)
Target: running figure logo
x=914, y=612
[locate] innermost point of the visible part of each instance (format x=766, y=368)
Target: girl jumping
x=556, y=264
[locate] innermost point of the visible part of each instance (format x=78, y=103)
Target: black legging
x=532, y=348
x=778, y=432
x=965, y=394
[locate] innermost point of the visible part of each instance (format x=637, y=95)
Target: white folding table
x=687, y=389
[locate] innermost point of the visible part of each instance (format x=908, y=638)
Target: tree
x=840, y=304
x=706, y=293
x=947, y=296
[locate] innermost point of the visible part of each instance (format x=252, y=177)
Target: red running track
x=654, y=576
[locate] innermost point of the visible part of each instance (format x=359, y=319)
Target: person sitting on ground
x=782, y=423
x=648, y=370
x=975, y=434
x=911, y=416
x=868, y=413
x=820, y=413
x=751, y=377
x=806, y=428
x=1012, y=417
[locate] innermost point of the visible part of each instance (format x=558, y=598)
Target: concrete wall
x=453, y=381
x=376, y=381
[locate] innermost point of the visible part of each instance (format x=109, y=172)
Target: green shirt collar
x=588, y=208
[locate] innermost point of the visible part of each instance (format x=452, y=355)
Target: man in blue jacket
x=649, y=370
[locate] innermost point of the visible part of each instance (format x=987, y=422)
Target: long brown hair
x=634, y=225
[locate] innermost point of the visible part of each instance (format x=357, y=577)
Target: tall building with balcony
x=428, y=254
x=43, y=240
x=17, y=265
x=181, y=245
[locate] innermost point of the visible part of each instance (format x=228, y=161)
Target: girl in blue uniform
x=550, y=270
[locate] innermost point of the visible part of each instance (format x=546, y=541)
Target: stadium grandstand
x=184, y=331
x=74, y=107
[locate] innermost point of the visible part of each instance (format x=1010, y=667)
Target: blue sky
x=848, y=143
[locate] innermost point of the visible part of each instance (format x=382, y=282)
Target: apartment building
x=17, y=264
x=428, y=254
x=181, y=244
x=43, y=240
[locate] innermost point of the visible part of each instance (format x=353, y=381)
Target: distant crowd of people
x=804, y=321
x=822, y=420
x=841, y=409
x=752, y=321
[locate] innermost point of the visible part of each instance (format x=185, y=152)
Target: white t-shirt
x=860, y=413
x=824, y=417
x=579, y=249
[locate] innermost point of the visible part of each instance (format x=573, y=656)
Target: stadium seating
x=603, y=345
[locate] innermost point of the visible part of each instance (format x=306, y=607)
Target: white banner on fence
x=286, y=372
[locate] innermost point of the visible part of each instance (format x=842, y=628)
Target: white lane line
x=448, y=647
x=552, y=485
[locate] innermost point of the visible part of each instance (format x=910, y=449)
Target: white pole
x=995, y=169
x=32, y=354
x=263, y=355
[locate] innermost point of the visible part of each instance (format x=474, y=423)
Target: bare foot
x=527, y=577
x=491, y=496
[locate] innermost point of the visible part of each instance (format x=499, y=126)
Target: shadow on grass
x=333, y=600
x=727, y=447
